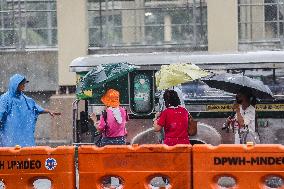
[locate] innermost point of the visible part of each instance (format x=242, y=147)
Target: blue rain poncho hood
x=18, y=116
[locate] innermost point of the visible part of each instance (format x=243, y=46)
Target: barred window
x=152, y=22
x=261, y=22
x=28, y=24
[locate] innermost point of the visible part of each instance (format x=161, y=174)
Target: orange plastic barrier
x=248, y=165
x=135, y=165
x=20, y=167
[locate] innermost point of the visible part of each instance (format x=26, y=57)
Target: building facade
x=80, y=27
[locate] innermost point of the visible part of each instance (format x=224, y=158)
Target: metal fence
x=125, y=23
x=261, y=23
x=28, y=24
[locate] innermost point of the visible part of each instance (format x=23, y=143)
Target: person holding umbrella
x=246, y=90
x=244, y=119
x=169, y=78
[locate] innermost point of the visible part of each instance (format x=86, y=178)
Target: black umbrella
x=233, y=82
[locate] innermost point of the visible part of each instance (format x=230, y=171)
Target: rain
x=72, y=53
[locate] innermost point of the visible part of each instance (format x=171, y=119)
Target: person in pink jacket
x=112, y=121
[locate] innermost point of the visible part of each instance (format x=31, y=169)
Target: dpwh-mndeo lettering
x=248, y=161
x=20, y=164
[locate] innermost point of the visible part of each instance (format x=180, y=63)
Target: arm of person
x=229, y=120
x=41, y=110
x=240, y=118
x=127, y=116
x=100, y=125
x=157, y=127
x=50, y=112
x=159, y=121
x=249, y=117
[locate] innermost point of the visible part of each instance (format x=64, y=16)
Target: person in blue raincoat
x=18, y=115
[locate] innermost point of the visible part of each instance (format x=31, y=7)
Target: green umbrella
x=104, y=73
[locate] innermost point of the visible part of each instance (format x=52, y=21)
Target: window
x=123, y=23
x=261, y=21
x=28, y=23
x=141, y=92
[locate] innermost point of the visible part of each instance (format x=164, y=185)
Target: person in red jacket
x=174, y=120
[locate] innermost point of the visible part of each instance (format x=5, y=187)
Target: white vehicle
x=209, y=106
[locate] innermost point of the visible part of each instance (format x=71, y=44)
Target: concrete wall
x=73, y=38
x=40, y=68
x=43, y=129
x=222, y=25
x=58, y=130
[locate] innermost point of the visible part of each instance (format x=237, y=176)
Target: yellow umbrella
x=175, y=74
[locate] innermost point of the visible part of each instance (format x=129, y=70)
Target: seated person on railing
x=244, y=119
x=174, y=120
x=112, y=121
